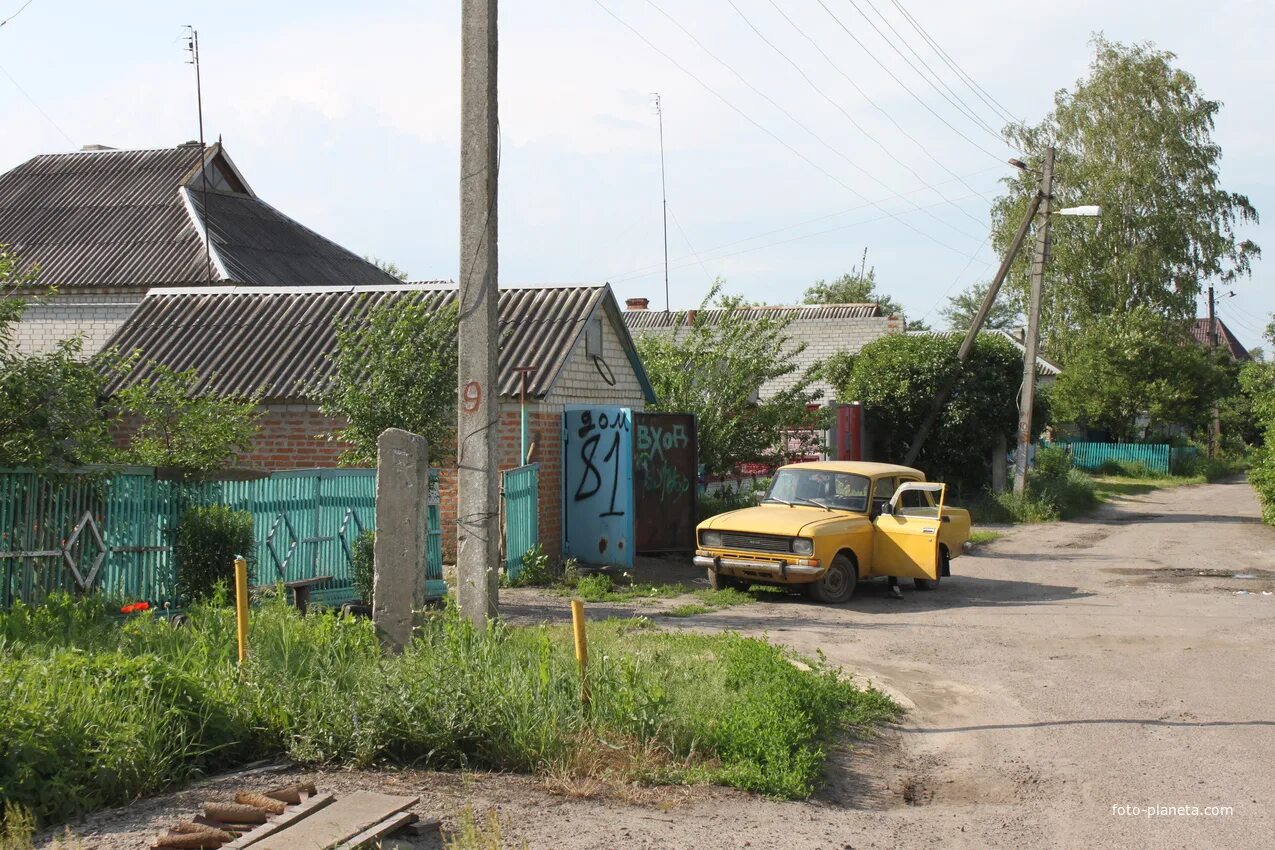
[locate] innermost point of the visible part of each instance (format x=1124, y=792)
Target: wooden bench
x=300, y=590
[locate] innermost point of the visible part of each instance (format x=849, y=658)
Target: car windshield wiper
x=776, y=499
x=816, y=504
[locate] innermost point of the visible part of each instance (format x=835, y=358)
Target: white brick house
x=826, y=329
x=105, y=226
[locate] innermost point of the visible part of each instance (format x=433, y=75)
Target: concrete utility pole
x=478, y=509
x=1215, y=430
x=971, y=334
x=1028, y=397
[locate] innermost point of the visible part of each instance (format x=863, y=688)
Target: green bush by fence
x=208, y=540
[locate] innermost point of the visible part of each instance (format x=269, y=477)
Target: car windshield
x=839, y=490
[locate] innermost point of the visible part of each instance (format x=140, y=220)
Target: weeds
x=96, y=712
x=470, y=834
x=979, y=538
x=691, y=609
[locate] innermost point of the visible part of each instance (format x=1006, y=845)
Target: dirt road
x=1063, y=672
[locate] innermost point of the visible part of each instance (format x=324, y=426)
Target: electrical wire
x=767, y=130
x=964, y=106
x=904, y=85
x=982, y=93
x=19, y=12
x=803, y=223
x=836, y=106
x=958, y=106
x=831, y=62
x=687, y=240
x=679, y=264
x=957, y=279
x=31, y=100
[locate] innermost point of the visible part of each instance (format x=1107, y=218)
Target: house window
x=593, y=337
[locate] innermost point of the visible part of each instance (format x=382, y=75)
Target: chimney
x=637, y=303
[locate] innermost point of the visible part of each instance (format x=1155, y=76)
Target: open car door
x=906, y=542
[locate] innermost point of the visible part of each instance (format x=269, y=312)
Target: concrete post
x=477, y=460
x=1000, y=463
x=402, y=493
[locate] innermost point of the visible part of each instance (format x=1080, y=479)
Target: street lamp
x=1086, y=211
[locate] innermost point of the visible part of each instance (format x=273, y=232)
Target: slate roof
x=279, y=339
x=1226, y=339
x=107, y=218
x=656, y=319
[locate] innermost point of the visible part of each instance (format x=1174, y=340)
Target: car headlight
x=802, y=546
x=711, y=539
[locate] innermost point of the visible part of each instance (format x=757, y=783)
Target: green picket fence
x=1157, y=457
x=111, y=531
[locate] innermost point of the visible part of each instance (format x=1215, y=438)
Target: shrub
x=125, y=710
x=207, y=542
x=362, y=565
x=1129, y=469
x=725, y=499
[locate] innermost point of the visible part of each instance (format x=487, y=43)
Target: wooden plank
x=338, y=822
x=282, y=822
x=385, y=827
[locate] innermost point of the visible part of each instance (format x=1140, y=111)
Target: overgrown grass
x=980, y=537
x=95, y=713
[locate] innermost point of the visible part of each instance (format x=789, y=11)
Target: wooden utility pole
x=478, y=512
x=967, y=344
x=1030, y=340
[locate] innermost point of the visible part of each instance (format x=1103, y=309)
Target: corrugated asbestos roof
x=655, y=319
x=121, y=218
x=278, y=341
x=1202, y=333
x=1043, y=366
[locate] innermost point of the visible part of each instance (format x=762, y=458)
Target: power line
x=15, y=14
x=843, y=111
x=904, y=85
x=831, y=62
x=969, y=81
x=679, y=264
x=811, y=132
x=651, y=268
x=694, y=253
x=31, y=100
x=957, y=279
x=969, y=110
x=765, y=129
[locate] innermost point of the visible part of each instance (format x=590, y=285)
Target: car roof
x=858, y=467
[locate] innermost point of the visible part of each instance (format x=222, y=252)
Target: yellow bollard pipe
x=582, y=647
x=241, y=606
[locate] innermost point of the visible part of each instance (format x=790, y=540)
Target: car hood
x=778, y=519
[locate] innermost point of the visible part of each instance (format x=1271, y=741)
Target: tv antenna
x=192, y=47
x=663, y=194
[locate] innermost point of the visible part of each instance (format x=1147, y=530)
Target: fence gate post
x=402, y=493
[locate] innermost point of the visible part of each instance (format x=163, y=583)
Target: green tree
x=962, y=307
x=388, y=266
x=715, y=369
x=395, y=368
x=1132, y=373
x=854, y=287
x=896, y=376
x=1257, y=381
x=48, y=402
x=171, y=422
x=1136, y=137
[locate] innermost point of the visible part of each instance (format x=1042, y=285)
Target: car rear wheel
x=933, y=583
x=837, y=584
x=717, y=581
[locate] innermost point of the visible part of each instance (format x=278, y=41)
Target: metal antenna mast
x=664, y=195
x=192, y=47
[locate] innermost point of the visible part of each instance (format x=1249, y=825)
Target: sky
x=797, y=133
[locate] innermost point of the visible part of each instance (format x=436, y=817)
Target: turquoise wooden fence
x=1093, y=455
x=520, y=491
x=112, y=530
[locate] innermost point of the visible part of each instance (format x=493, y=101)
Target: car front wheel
x=837, y=584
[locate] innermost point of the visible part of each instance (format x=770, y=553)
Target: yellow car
x=825, y=526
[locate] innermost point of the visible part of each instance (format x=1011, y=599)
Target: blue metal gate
x=519, y=488
x=597, y=448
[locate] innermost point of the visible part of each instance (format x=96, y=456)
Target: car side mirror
x=885, y=509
